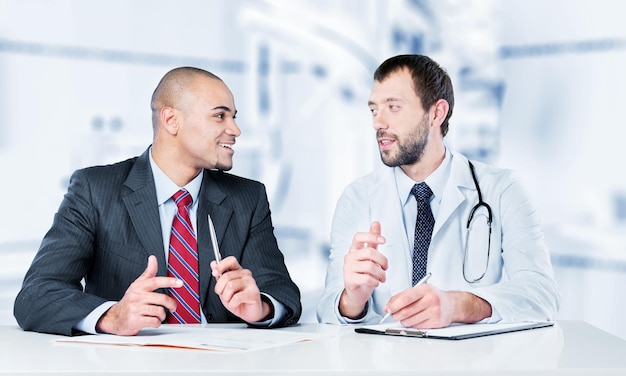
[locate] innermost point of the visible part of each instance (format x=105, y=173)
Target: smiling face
x=402, y=125
x=206, y=124
x=193, y=118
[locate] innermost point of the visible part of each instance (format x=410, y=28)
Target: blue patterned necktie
x=423, y=230
x=183, y=264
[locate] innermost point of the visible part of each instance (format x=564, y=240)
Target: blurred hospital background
x=539, y=89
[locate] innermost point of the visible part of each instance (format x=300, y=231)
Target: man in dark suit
x=102, y=267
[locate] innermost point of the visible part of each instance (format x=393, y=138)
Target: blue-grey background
x=539, y=89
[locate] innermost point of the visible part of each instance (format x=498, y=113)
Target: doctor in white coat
x=495, y=269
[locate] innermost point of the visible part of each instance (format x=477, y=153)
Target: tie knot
x=182, y=198
x=421, y=191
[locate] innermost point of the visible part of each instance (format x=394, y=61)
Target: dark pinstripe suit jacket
x=107, y=226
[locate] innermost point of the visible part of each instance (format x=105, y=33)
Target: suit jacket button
x=210, y=317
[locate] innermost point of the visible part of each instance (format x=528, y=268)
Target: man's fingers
x=376, y=231
x=375, y=228
x=366, y=240
x=148, y=281
x=234, y=283
x=160, y=301
x=162, y=283
x=151, y=268
x=227, y=264
x=407, y=303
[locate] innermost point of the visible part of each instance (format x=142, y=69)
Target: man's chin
x=223, y=167
x=390, y=164
x=388, y=161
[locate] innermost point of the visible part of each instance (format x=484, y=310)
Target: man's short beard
x=409, y=152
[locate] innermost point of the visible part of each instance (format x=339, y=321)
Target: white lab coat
x=519, y=282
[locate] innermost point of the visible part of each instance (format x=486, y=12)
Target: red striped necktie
x=183, y=264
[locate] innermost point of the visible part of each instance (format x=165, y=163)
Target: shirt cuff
x=279, y=312
x=346, y=320
x=88, y=324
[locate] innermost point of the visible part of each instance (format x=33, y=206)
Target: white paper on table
x=204, y=338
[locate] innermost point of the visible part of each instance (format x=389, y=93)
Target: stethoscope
x=480, y=204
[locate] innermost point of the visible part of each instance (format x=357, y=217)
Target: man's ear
x=440, y=111
x=169, y=119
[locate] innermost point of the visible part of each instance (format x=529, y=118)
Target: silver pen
x=423, y=280
x=216, y=249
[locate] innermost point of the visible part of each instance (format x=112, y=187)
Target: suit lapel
x=210, y=198
x=141, y=204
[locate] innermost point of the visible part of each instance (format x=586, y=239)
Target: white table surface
x=568, y=348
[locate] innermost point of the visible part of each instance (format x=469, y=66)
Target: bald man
x=102, y=266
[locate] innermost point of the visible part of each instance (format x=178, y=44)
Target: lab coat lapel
x=453, y=197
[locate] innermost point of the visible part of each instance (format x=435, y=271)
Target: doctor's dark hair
x=430, y=81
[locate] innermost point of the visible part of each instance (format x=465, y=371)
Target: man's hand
x=363, y=270
x=140, y=306
x=425, y=306
x=238, y=290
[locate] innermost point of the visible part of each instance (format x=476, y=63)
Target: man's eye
x=373, y=111
x=220, y=115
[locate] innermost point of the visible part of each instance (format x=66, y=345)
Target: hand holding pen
x=236, y=286
x=421, y=281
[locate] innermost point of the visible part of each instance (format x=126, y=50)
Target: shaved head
x=193, y=122
x=172, y=89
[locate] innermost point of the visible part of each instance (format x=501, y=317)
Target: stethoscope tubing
x=480, y=204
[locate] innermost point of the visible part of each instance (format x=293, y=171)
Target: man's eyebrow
x=386, y=100
x=392, y=99
x=225, y=108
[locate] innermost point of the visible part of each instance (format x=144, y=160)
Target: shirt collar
x=436, y=180
x=165, y=187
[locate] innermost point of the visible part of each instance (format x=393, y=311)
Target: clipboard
x=454, y=331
